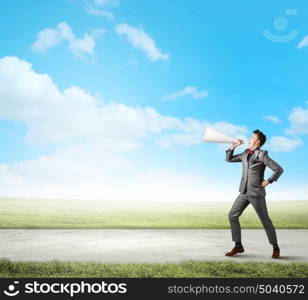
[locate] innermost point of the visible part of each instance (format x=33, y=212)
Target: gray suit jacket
x=253, y=171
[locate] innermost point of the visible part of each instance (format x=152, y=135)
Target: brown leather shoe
x=234, y=251
x=276, y=253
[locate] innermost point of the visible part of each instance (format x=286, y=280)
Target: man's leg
x=259, y=204
x=238, y=207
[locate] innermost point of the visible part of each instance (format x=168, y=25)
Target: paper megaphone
x=215, y=136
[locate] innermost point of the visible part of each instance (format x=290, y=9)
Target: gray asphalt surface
x=148, y=245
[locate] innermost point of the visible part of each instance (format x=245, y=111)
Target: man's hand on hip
x=264, y=183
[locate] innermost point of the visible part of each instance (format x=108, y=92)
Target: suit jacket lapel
x=254, y=156
x=244, y=159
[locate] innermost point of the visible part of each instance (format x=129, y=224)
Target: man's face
x=254, y=141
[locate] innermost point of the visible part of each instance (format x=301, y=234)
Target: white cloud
x=272, y=119
x=76, y=172
x=101, y=8
x=92, y=10
x=92, y=139
x=84, y=45
x=141, y=40
x=46, y=39
x=190, y=132
x=283, y=144
x=83, y=48
x=298, y=121
x=189, y=90
x=51, y=37
x=55, y=116
x=230, y=129
x=303, y=42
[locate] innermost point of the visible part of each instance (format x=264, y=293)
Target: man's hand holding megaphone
x=234, y=145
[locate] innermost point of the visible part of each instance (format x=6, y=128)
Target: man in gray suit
x=252, y=189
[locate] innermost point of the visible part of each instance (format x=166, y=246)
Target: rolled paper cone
x=215, y=136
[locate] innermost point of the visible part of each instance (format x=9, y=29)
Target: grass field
x=57, y=213
x=188, y=269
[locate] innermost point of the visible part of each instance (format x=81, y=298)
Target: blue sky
x=110, y=98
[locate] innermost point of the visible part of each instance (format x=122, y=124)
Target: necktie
x=249, y=151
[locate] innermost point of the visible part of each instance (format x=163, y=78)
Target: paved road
x=148, y=245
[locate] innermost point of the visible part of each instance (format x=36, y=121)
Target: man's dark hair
x=261, y=136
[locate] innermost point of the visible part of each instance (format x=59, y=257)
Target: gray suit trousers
x=259, y=205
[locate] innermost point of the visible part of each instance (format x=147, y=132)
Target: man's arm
x=278, y=170
x=233, y=158
x=229, y=152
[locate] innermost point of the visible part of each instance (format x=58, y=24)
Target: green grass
x=188, y=269
x=57, y=213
